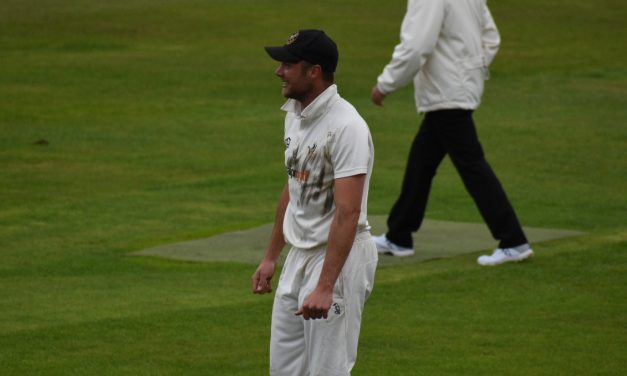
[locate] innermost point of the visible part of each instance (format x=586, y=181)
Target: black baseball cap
x=311, y=45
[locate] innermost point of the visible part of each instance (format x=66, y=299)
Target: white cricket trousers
x=323, y=347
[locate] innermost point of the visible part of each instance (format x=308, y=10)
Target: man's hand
x=263, y=277
x=316, y=305
x=377, y=96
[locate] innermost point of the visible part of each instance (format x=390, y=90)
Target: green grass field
x=161, y=124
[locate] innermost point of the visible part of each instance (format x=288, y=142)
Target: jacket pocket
x=473, y=66
x=473, y=72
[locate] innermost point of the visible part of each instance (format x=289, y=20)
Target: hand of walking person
x=377, y=96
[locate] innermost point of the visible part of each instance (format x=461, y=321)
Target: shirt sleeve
x=350, y=150
x=419, y=34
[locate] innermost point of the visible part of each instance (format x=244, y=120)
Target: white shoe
x=502, y=255
x=386, y=246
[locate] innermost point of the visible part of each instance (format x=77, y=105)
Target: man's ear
x=315, y=71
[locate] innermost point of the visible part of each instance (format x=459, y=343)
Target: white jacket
x=446, y=47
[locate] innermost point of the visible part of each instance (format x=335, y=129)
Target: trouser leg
x=332, y=342
x=459, y=135
x=324, y=347
x=425, y=156
x=288, y=356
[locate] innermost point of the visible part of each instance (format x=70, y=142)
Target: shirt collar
x=315, y=108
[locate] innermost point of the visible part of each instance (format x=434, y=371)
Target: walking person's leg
x=407, y=214
x=462, y=144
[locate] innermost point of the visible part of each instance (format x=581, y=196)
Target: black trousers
x=451, y=132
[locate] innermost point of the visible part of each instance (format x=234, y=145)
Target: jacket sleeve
x=419, y=35
x=490, y=37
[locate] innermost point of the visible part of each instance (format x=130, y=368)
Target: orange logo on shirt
x=302, y=176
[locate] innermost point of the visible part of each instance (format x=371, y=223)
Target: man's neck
x=314, y=93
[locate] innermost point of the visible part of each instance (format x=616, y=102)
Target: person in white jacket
x=445, y=48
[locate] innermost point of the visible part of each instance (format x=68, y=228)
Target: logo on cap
x=292, y=38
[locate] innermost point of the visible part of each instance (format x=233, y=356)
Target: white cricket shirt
x=325, y=141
